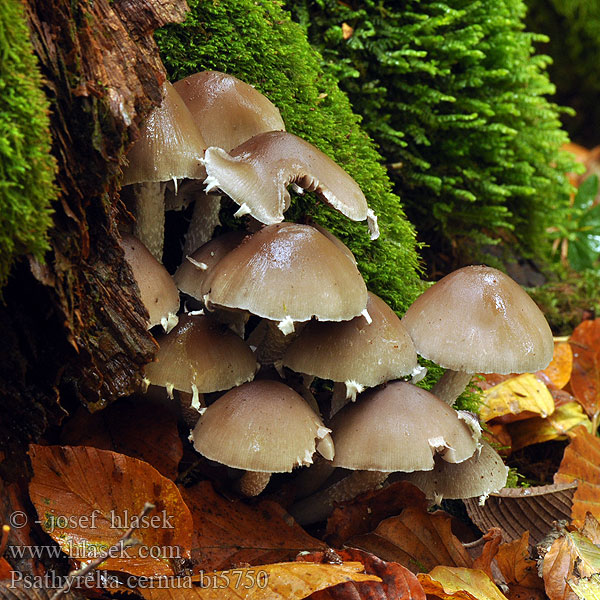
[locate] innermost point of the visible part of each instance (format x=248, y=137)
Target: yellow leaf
x=279, y=581
x=347, y=31
x=522, y=394
x=459, y=583
x=554, y=427
x=587, y=589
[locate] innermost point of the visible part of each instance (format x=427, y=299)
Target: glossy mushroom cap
x=478, y=320
x=260, y=426
x=190, y=277
x=158, y=291
x=366, y=354
x=399, y=427
x=226, y=110
x=202, y=354
x=257, y=173
x=480, y=475
x=288, y=272
x=170, y=145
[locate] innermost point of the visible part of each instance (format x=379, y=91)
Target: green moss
x=455, y=97
x=257, y=42
x=26, y=166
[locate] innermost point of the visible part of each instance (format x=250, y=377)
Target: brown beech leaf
x=280, y=581
x=518, y=569
x=492, y=539
x=559, y=370
x=585, y=378
x=571, y=557
x=228, y=533
x=581, y=463
x=516, y=510
x=363, y=513
x=138, y=427
x=5, y=569
x=416, y=539
x=397, y=582
x=87, y=499
x=459, y=583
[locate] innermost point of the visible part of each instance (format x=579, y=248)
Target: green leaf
x=581, y=254
x=586, y=193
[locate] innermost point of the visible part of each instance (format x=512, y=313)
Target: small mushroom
x=227, y=112
x=170, y=147
x=257, y=173
x=262, y=427
x=356, y=354
x=478, y=320
x=398, y=427
x=200, y=356
x=158, y=291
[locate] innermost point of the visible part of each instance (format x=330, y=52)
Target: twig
x=117, y=547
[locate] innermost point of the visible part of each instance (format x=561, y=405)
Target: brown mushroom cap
x=256, y=175
x=399, y=427
x=196, y=267
x=201, y=353
x=259, y=426
x=170, y=145
x=480, y=475
x=158, y=291
x=288, y=271
x=367, y=354
x=478, y=320
x=227, y=111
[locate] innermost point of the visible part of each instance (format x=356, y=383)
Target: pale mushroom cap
x=478, y=320
x=170, y=145
x=289, y=271
x=226, y=110
x=203, y=353
x=258, y=172
x=260, y=426
x=158, y=291
x=399, y=427
x=191, y=275
x=480, y=475
x=368, y=354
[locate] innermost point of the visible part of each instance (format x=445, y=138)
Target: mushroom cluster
x=268, y=310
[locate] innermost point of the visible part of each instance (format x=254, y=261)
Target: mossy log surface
x=74, y=327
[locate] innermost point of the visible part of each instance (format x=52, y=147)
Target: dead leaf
x=397, y=582
x=280, y=581
x=87, y=499
x=587, y=588
x=416, y=539
x=363, y=513
x=520, y=397
x=347, y=31
x=559, y=369
x=492, y=540
x=571, y=557
x=554, y=427
x=516, y=510
x=581, y=463
x=227, y=533
x=140, y=427
x=515, y=564
x=5, y=569
x=585, y=379
x=459, y=583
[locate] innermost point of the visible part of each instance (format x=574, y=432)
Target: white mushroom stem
x=451, y=385
x=319, y=506
x=252, y=483
x=205, y=219
x=149, y=225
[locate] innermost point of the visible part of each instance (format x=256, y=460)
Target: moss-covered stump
x=257, y=42
x=457, y=100
x=74, y=329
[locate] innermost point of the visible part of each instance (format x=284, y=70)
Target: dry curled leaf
x=581, y=463
x=585, y=379
x=227, y=533
x=459, y=583
x=280, y=581
x=516, y=510
x=87, y=499
x=416, y=539
x=559, y=370
x=516, y=398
